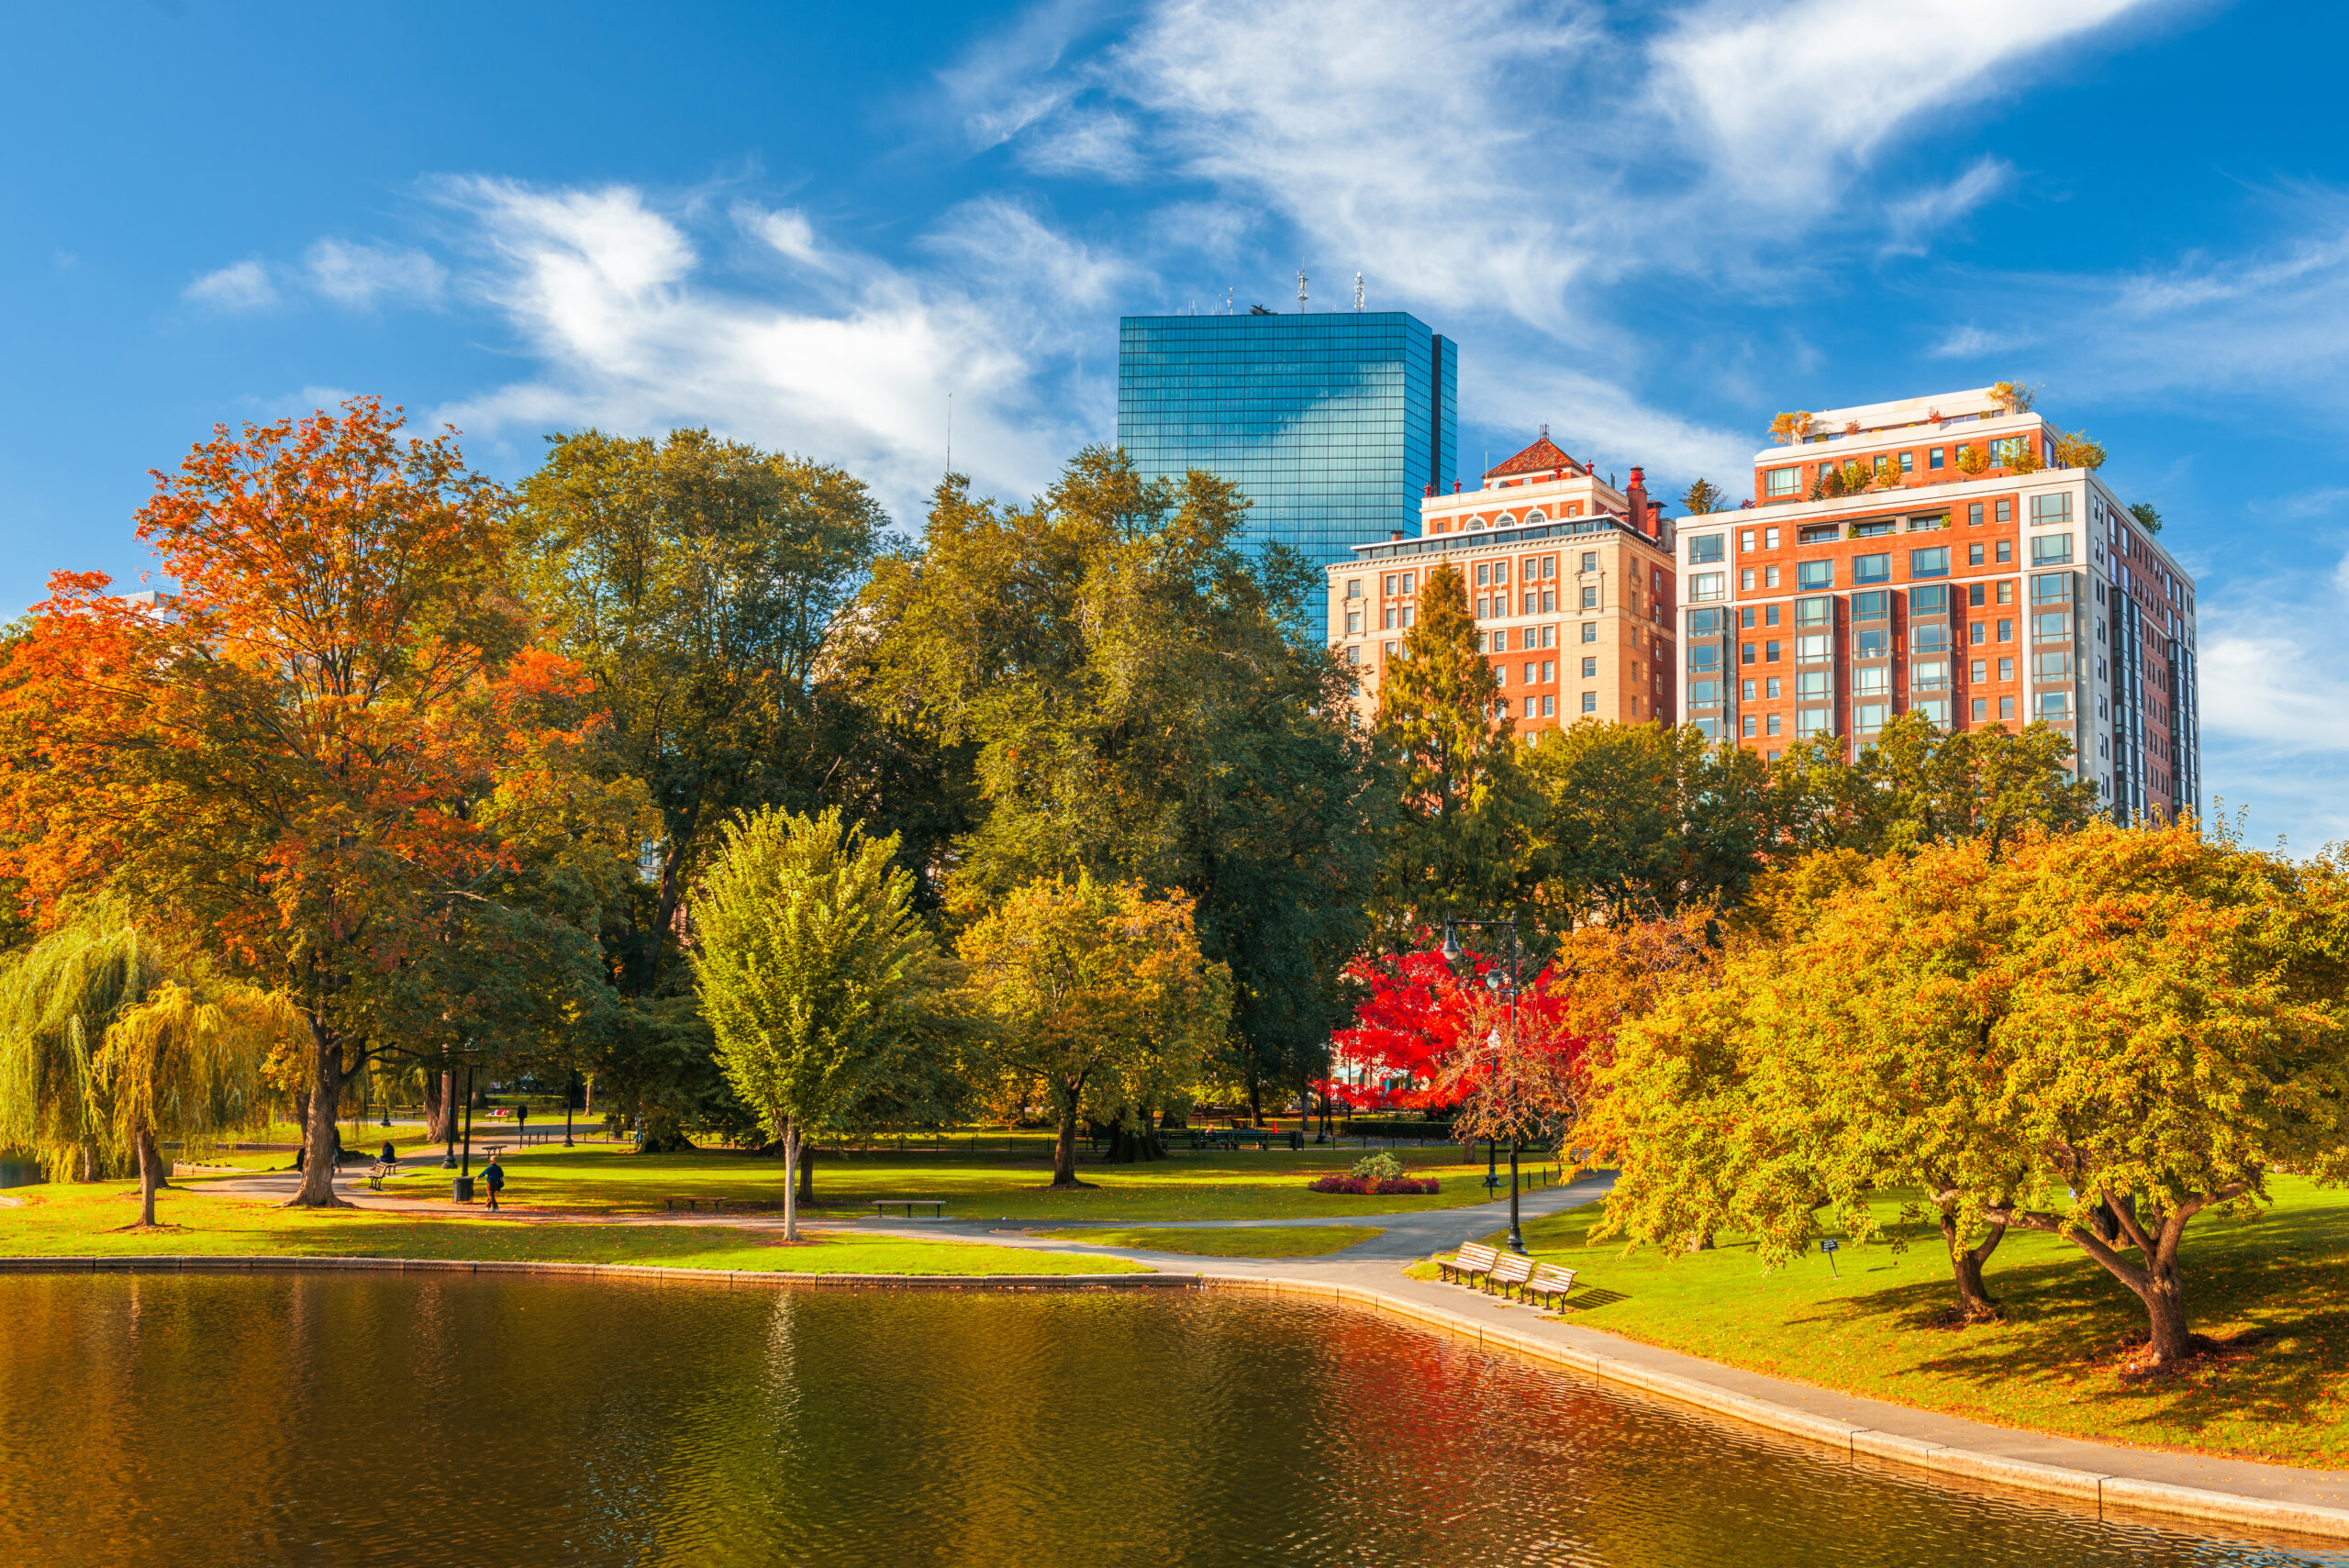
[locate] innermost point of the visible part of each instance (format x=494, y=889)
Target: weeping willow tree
x=109, y=1039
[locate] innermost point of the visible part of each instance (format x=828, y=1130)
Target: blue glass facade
x=1332, y=424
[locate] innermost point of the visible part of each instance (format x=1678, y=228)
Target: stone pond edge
x=1852, y=1441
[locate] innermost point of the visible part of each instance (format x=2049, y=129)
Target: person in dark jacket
x=492, y=1176
x=391, y=1157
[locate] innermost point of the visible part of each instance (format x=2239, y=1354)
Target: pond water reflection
x=407, y=1419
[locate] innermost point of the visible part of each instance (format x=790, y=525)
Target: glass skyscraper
x=1332, y=423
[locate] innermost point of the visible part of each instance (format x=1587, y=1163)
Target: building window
x=1769, y=653
x=1390, y=585
x=1934, y=458
x=1935, y=709
x=1769, y=539
x=1745, y=653
x=1981, y=709
x=1933, y=562
x=1590, y=631
x=1974, y=558
x=1550, y=635
x=1549, y=671
x=1745, y=690
x=2049, y=510
x=1500, y=570
x=1745, y=541
x=2006, y=670
x=1549, y=708
x=1908, y=463
x=1815, y=574
x=1391, y=621
x=1749, y=727
x=1590, y=702
x=1410, y=615
x=2055, y=705
x=1814, y=721
x=1354, y=623
x=1390, y=650
x=1772, y=687
x=1814, y=684
x=1866, y=569
x=1779, y=481
x=1354, y=653
x=1353, y=587
x=2005, y=512
x=1483, y=576
x=2047, y=550
x=1706, y=549
x=1590, y=669
x=1590, y=598
x=1745, y=580
x=1980, y=674
x=1703, y=586
x=1870, y=714
x=1591, y=560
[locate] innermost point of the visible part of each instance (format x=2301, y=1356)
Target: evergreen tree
x=1457, y=841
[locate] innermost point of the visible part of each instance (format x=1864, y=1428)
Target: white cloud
x=1915, y=219
x=242, y=285
x=632, y=333
x=1783, y=100
x=361, y=276
x=1965, y=342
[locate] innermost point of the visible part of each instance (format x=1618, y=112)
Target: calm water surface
x=314, y=1420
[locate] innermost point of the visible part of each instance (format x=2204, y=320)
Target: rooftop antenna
x=1301, y=288
x=1226, y=302
x=1357, y=291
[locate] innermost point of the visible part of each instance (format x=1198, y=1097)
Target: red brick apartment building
x=1571, y=580
x=2022, y=590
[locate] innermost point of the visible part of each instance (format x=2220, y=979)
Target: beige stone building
x=1570, y=579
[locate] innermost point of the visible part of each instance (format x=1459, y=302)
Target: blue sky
x=1650, y=227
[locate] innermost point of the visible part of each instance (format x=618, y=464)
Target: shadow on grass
x=2269, y=1290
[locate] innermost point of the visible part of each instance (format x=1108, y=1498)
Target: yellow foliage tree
x=1787, y=430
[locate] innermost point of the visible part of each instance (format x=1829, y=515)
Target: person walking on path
x=493, y=1175
x=522, y=1119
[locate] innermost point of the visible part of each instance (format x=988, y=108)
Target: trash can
x=464, y=1186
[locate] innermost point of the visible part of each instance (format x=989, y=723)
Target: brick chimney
x=1396, y=534
x=1636, y=493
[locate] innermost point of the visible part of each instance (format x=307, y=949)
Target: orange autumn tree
x=288, y=758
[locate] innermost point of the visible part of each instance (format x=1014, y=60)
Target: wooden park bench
x=1474, y=1262
x=690, y=1205
x=1550, y=1284
x=937, y=1206
x=377, y=1171
x=1512, y=1269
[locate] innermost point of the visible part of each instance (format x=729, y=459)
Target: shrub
x=1365, y=1187
x=1379, y=1167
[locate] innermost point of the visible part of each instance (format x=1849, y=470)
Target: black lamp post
x=1452, y=956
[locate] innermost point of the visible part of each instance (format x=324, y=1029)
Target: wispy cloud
x=361, y=276
x=1914, y=220
x=242, y=285
x=632, y=330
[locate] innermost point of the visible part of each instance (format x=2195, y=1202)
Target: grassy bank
x=84, y=1220
x=982, y=1183
x=2272, y=1287
x=1251, y=1241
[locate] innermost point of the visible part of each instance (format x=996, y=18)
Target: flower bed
x=1365, y=1187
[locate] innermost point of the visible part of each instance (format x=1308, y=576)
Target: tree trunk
x=321, y=1140
x=1255, y=1102
x=791, y=1181
x=1064, y=1145
x=1975, y=1302
x=150, y=1176
x=2169, y=1343
x=807, y=1175
x=151, y=1156
x=440, y=1106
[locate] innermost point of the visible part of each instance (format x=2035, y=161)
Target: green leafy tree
x=814, y=972
x=1140, y=705
x=1636, y=819
x=1702, y=498
x=111, y=1038
x=1098, y=991
x=2101, y=1035
x=2148, y=517
x=1457, y=841
x=1917, y=785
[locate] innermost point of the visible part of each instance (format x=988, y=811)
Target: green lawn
x=81, y=1221
x=989, y=1185
x=2275, y=1287
x=1254, y=1241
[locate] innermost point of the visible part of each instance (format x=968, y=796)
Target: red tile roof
x=1540, y=458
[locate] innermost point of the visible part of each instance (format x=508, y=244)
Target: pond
x=421, y=1422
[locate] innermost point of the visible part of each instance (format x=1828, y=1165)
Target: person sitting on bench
x=389, y=1159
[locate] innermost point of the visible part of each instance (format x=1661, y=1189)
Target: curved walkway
x=2103, y=1476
